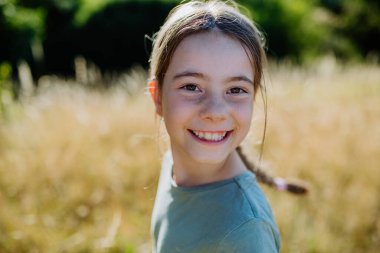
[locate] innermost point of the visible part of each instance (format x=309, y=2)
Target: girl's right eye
x=190, y=87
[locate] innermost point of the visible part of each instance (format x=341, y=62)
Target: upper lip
x=210, y=131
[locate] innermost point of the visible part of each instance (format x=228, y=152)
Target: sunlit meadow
x=79, y=165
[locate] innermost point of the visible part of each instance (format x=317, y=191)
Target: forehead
x=213, y=53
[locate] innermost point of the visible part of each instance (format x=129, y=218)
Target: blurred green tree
x=111, y=37
x=49, y=34
x=21, y=30
x=355, y=21
x=290, y=27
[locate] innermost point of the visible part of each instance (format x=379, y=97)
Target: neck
x=193, y=173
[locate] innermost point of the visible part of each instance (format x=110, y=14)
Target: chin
x=211, y=158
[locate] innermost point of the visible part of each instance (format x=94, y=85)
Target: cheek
x=244, y=114
x=175, y=109
x=247, y=120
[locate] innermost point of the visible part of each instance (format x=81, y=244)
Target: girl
x=206, y=68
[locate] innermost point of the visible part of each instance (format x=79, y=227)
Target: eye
x=236, y=90
x=190, y=87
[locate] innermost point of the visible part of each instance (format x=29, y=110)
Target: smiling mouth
x=213, y=136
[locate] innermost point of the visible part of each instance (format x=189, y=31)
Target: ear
x=155, y=94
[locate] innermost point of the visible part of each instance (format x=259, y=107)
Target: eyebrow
x=202, y=76
x=241, y=78
x=189, y=74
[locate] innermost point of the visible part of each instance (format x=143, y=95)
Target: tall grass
x=79, y=166
x=324, y=128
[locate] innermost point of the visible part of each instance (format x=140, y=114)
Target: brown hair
x=202, y=16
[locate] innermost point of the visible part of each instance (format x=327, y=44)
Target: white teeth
x=210, y=136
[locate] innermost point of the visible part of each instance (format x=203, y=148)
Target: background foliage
x=49, y=34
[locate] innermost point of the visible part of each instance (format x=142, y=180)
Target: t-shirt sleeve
x=253, y=236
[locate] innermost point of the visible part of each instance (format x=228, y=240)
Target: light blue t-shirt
x=227, y=216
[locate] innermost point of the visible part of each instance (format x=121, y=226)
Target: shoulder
x=255, y=197
x=255, y=235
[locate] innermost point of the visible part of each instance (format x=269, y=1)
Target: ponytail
x=274, y=182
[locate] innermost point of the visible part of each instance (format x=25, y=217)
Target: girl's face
x=207, y=98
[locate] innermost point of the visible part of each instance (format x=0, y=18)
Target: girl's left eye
x=236, y=90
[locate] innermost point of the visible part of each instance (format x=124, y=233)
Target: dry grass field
x=79, y=166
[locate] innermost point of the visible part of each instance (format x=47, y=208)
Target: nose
x=214, y=108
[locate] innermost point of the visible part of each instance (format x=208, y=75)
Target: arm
x=253, y=236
